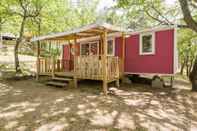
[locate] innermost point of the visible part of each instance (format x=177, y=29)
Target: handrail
x=52, y=65
x=86, y=67
x=91, y=67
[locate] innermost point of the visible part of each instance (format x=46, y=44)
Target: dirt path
x=31, y=106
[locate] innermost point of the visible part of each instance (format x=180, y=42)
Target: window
x=94, y=48
x=85, y=49
x=90, y=48
x=147, y=44
x=110, y=47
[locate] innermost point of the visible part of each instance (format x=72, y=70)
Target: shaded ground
x=31, y=106
x=27, y=62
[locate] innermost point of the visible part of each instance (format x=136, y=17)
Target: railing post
x=53, y=66
x=38, y=61
x=105, y=62
x=117, y=72
x=75, y=62
x=38, y=68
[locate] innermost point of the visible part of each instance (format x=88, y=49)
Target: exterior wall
x=160, y=63
x=118, y=46
x=66, y=52
x=68, y=57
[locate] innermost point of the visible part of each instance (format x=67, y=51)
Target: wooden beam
x=89, y=33
x=96, y=30
x=93, y=32
x=101, y=44
x=80, y=35
x=123, y=53
x=104, y=36
x=75, y=61
x=38, y=60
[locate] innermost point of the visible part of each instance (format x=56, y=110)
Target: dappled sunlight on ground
x=31, y=106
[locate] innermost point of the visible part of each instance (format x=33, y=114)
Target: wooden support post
x=123, y=54
x=101, y=44
x=172, y=81
x=104, y=37
x=75, y=62
x=38, y=61
x=117, y=83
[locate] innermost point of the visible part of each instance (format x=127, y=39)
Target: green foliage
x=147, y=13
x=187, y=48
x=56, y=15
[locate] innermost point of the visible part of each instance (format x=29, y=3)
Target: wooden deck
x=60, y=74
x=65, y=74
x=94, y=67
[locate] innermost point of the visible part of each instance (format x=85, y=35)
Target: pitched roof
x=90, y=30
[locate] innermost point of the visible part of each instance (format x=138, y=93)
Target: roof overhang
x=90, y=30
x=153, y=29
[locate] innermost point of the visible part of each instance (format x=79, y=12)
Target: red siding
x=66, y=50
x=161, y=62
x=118, y=47
x=68, y=57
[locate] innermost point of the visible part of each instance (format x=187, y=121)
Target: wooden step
x=62, y=79
x=60, y=84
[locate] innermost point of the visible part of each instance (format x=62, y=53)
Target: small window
x=110, y=47
x=90, y=48
x=147, y=44
x=85, y=49
x=94, y=48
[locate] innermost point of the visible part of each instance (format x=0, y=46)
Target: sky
x=109, y=3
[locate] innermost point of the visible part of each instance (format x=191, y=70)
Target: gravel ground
x=28, y=105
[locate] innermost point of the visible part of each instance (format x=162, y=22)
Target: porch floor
x=65, y=74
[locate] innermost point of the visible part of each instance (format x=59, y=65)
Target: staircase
x=60, y=80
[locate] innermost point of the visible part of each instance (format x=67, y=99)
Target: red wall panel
x=118, y=46
x=161, y=62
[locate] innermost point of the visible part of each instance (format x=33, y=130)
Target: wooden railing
x=91, y=67
x=113, y=71
x=45, y=65
x=86, y=67
x=63, y=65
x=50, y=65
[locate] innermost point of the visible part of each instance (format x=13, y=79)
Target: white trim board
x=132, y=73
x=141, y=44
x=175, y=57
x=154, y=29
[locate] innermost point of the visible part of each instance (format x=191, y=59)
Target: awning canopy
x=90, y=30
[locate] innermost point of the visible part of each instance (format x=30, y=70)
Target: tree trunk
x=182, y=67
x=187, y=63
x=19, y=40
x=191, y=64
x=193, y=76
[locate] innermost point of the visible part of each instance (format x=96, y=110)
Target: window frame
x=97, y=42
x=113, y=42
x=89, y=43
x=152, y=42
